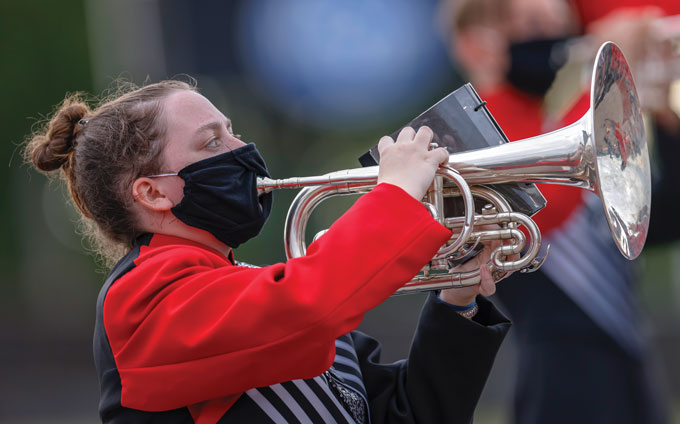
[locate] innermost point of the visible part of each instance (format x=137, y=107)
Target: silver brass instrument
x=605, y=152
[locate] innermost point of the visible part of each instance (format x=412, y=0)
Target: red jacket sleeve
x=185, y=326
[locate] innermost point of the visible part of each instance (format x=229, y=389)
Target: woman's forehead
x=191, y=105
x=190, y=120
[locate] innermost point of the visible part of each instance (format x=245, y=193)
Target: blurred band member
x=583, y=353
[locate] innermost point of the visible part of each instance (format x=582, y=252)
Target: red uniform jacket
x=178, y=324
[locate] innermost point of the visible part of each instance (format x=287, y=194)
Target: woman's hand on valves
x=482, y=261
x=409, y=163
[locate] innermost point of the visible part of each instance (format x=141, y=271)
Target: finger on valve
x=384, y=142
x=487, y=285
x=406, y=134
x=424, y=136
x=441, y=155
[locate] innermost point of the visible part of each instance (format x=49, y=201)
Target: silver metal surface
x=605, y=152
x=357, y=181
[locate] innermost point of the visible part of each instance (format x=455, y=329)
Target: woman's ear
x=155, y=195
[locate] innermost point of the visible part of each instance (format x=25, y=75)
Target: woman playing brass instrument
x=184, y=333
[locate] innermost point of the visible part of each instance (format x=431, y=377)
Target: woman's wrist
x=466, y=308
x=459, y=297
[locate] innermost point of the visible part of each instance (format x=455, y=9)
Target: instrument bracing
x=605, y=152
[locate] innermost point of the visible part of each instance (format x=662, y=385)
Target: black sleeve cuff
x=451, y=358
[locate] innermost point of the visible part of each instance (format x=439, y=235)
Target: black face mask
x=220, y=195
x=534, y=64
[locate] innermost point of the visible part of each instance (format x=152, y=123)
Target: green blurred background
x=49, y=283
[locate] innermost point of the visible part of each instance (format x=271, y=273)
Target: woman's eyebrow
x=213, y=126
x=210, y=126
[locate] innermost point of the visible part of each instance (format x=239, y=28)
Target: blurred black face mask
x=534, y=64
x=220, y=195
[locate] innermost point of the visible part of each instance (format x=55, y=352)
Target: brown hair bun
x=99, y=159
x=53, y=149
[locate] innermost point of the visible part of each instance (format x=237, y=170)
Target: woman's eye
x=215, y=142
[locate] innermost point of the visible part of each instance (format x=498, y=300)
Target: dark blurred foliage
x=44, y=55
x=43, y=317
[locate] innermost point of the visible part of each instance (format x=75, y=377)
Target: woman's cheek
x=176, y=191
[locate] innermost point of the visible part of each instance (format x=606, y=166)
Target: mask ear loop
x=163, y=175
